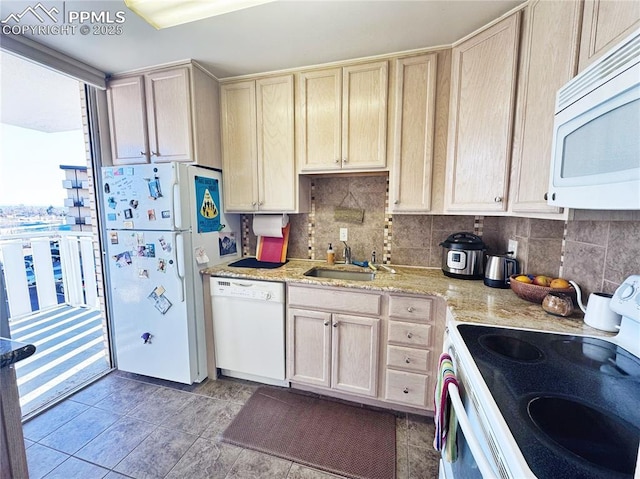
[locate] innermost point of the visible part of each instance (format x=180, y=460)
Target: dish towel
x=445, y=417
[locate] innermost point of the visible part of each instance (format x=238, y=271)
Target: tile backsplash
x=597, y=254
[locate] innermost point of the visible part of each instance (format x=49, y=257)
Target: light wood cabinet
x=354, y=344
x=412, y=133
x=605, y=23
x=309, y=347
x=331, y=349
x=483, y=88
x=412, y=351
x=549, y=55
x=164, y=115
x=342, y=118
x=258, y=146
x=374, y=347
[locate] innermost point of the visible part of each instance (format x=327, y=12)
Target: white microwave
x=596, y=140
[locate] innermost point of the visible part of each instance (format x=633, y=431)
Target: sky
x=30, y=162
x=40, y=129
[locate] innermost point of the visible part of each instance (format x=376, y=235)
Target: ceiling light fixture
x=169, y=13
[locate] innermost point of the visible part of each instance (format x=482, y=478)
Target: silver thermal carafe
x=463, y=256
x=498, y=269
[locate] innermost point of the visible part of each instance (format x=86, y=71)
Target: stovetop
x=571, y=402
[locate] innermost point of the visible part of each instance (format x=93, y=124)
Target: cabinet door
x=355, y=345
x=483, y=74
x=364, y=116
x=169, y=113
x=239, y=157
x=319, y=105
x=276, y=162
x=128, y=121
x=309, y=347
x=412, y=133
x=548, y=60
x=604, y=24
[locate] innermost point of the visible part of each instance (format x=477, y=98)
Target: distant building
x=77, y=204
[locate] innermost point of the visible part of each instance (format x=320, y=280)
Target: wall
x=597, y=254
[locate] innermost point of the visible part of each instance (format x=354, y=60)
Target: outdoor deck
x=70, y=350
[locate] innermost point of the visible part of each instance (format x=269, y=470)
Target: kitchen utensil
x=497, y=270
x=463, y=256
x=533, y=292
x=558, y=304
x=597, y=312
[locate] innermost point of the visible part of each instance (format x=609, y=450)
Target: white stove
x=535, y=404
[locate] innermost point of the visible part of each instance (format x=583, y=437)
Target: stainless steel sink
x=338, y=274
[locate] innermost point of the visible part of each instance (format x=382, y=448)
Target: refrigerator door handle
x=180, y=263
x=177, y=207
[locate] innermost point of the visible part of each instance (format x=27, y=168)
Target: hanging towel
x=445, y=417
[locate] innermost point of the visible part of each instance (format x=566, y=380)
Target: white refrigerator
x=164, y=224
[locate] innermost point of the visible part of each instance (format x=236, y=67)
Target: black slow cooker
x=463, y=256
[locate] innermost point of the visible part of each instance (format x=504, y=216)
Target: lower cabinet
x=338, y=351
x=383, y=346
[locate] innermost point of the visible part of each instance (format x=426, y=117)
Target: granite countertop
x=467, y=300
x=14, y=351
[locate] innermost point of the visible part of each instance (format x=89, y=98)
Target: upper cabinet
x=411, y=132
x=342, y=118
x=483, y=90
x=605, y=23
x=549, y=56
x=164, y=115
x=258, y=146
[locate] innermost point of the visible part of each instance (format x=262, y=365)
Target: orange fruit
x=524, y=279
x=559, y=283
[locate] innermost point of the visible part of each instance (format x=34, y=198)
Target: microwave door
x=596, y=162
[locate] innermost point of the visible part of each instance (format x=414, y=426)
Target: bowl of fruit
x=535, y=287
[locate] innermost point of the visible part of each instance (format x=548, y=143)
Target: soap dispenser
x=331, y=255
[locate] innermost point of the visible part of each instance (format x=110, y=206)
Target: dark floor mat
x=346, y=440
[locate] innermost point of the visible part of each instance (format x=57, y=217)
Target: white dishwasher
x=249, y=329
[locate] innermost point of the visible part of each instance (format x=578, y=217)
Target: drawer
x=410, y=334
x=340, y=301
x=410, y=307
x=407, y=388
x=408, y=358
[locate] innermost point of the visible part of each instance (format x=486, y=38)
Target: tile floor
x=128, y=426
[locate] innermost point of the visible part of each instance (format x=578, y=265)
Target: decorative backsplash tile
x=598, y=255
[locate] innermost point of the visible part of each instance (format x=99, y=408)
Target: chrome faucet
x=347, y=253
x=375, y=265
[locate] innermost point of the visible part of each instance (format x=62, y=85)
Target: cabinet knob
x=498, y=199
x=407, y=360
x=410, y=309
x=337, y=160
x=143, y=153
x=153, y=153
x=409, y=335
x=260, y=203
x=395, y=202
x=326, y=323
x=546, y=196
x=405, y=390
x=335, y=325
x=253, y=203
x=344, y=160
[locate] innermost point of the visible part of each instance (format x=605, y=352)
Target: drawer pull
x=409, y=335
x=335, y=325
x=407, y=360
x=326, y=323
x=411, y=309
x=405, y=390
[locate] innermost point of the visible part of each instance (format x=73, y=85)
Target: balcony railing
x=54, y=262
